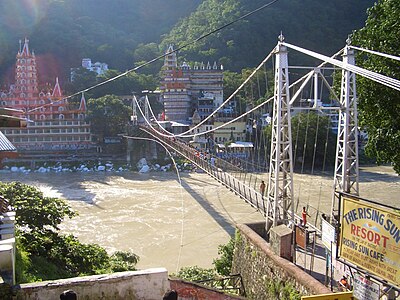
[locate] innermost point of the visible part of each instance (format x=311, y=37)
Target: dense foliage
x=222, y=265
x=64, y=32
x=43, y=253
x=125, y=33
x=314, y=142
x=108, y=116
x=380, y=106
x=196, y=273
x=322, y=26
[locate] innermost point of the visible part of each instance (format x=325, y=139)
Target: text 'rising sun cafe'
x=370, y=238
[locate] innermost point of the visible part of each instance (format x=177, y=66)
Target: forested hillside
x=104, y=30
x=322, y=26
x=123, y=33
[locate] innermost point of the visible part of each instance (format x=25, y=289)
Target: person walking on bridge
x=262, y=188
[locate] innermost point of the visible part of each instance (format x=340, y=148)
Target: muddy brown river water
x=172, y=226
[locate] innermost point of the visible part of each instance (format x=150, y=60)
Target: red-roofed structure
x=53, y=123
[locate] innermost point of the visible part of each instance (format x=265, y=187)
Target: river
x=171, y=225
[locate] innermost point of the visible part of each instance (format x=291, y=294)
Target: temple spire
x=82, y=105
x=57, y=89
x=25, y=49
x=170, y=60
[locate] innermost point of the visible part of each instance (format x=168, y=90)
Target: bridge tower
x=134, y=117
x=146, y=107
x=346, y=176
x=280, y=183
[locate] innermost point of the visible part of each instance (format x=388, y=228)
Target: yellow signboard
x=370, y=238
x=333, y=296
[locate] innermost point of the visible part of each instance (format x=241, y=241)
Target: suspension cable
x=382, y=79
x=181, y=190
x=376, y=52
x=162, y=56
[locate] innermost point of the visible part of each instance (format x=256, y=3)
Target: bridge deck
x=218, y=169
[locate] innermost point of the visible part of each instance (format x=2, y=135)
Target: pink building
x=53, y=123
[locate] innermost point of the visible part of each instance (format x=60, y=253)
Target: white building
x=98, y=67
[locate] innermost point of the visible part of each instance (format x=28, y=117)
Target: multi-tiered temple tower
x=53, y=124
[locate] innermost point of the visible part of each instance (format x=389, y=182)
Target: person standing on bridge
x=304, y=215
x=262, y=188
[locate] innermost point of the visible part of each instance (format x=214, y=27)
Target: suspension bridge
x=277, y=205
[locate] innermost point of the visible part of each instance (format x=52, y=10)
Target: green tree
x=248, y=41
x=42, y=252
x=223, y=264
x=124, y=85
x=379, y=105
x=146, y=52
x=108, y=115
x=82, y=79
x=196, y=273
x=34, y=212
x=312, y=135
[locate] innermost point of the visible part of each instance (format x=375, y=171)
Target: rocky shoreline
x=142, y=166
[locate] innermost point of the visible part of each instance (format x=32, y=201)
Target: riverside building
x=54, y=124
x=185, y=89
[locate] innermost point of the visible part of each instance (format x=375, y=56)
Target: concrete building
x=53, y=123
x=185, y=89
x=233, y=132
x=98, y=67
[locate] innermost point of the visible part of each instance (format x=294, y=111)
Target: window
x=61, y=117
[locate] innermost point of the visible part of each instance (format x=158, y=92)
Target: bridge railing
x=216, y=168
x=231, y=283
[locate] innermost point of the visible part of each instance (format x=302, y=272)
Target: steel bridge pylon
x=280, y=184
x=346, y=177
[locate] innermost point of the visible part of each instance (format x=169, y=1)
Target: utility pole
x=280, y=183
x=346, y=176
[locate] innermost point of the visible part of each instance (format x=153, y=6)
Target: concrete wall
x=145, y=284
x=266, y=275
x=148, y=284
